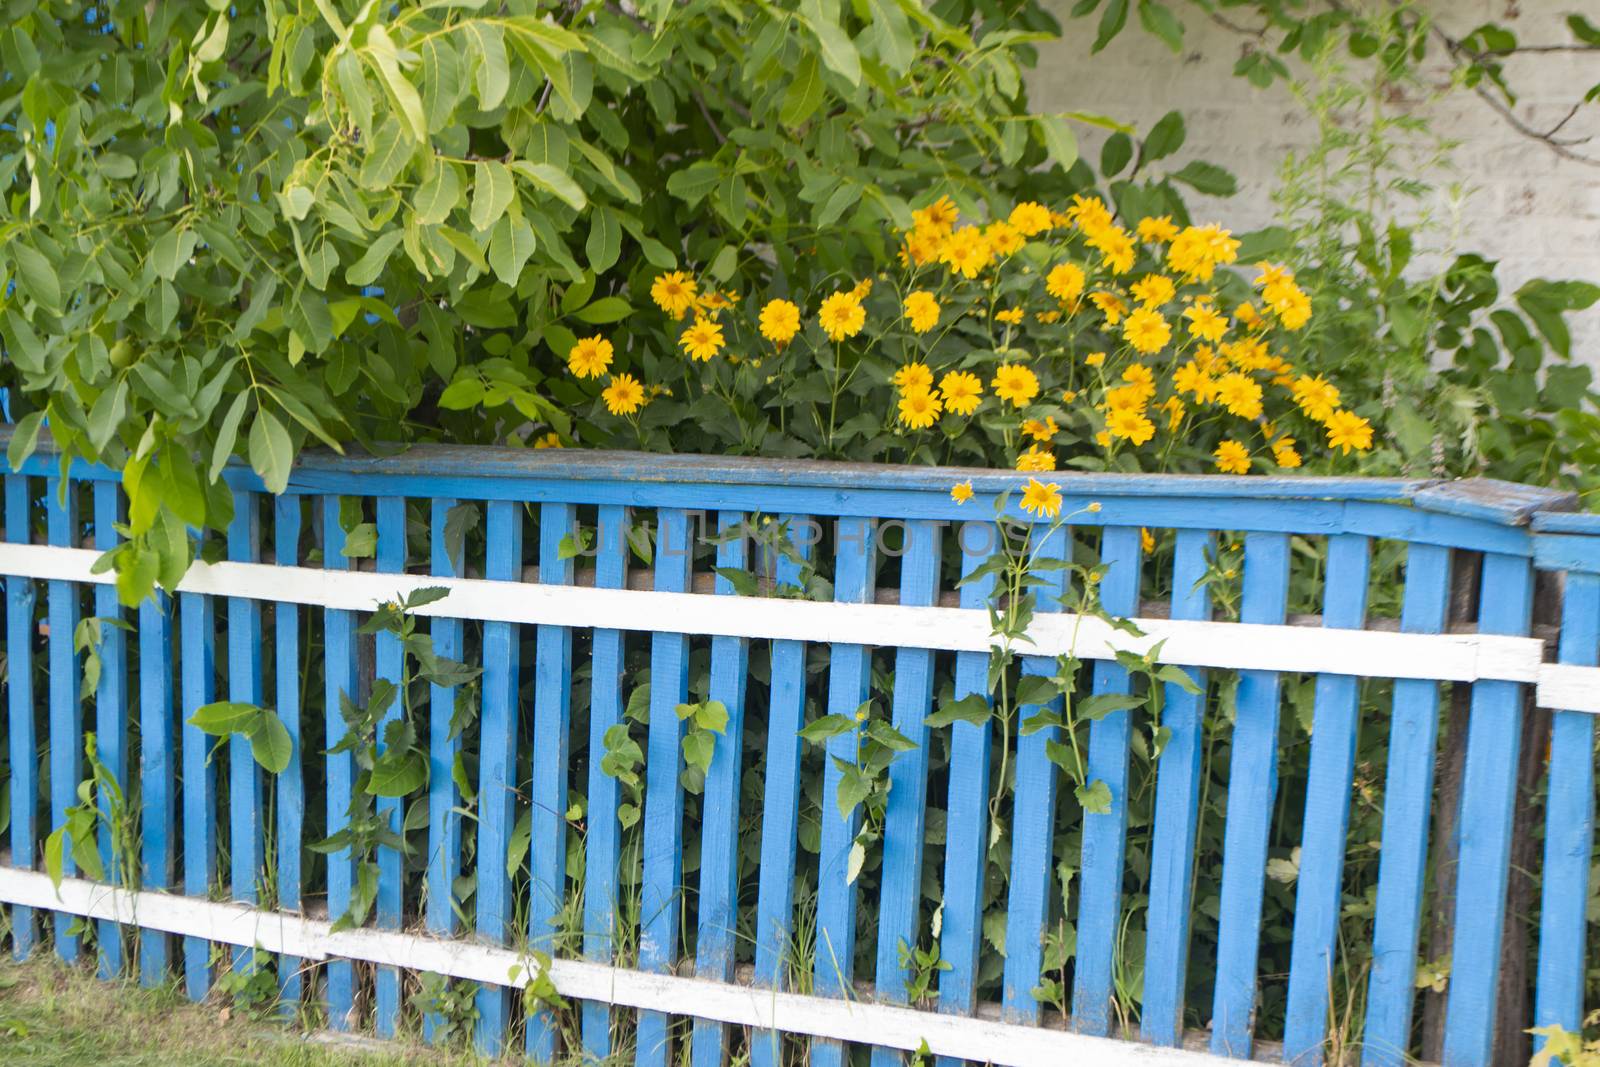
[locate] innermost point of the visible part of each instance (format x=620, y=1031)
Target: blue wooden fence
x=696, y=918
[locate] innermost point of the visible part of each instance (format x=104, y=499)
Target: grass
x=58, y=1015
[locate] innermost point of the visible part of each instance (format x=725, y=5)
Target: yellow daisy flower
x=961, y=392
x=1016, y=383
x=1146, y=330
x=674, y=293
x=702, y=340
x=780, y=321
x=961, y=492
x=1034, y=458
x=921, y=310
x=624, y=395
x=1347, y=430
x=1232, y=458
x=1041, y=499
x=913, y=377
x=842, y=316
x=1065, y=281
x=919, y=408
x=590, y=357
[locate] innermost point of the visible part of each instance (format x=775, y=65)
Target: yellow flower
x=1272, y=273
x=702, y=340
x=919, y=408
x=1205, y=323
x=1068, y=395
x=1347, y=430
x=1283, y=452
x=1153, y=290
x=913, y=377
x=1102, y=439
x=1289, y=302
x=1198, y=250
x=1116, y=248
x=1041, y=498
x=1248, y=354
x=1146, y=330
x=966, y=252
x=1240, y=394
x=1041, y=431
x=1175, y=412
x=780, y=321
x=1065, y=281
x=922, y=310
x=961, y=492
x=590, y=357
x=1247, y=315
x=1147, y=540
x=1094, y=359
x=1048, y=317
x=1010, y=316
x=920, y=246
x=862, y=289
x=624, y=395
x=549, y=440
x=961, y=391
x=842, y=316
x=1127, y=398
x=1232, y=458
x=1157, y=229
x=1016, y=383
x=1189, y=378
x=939, y=216
x=1089, y=213
x=1130, y=425
x=1029, y=218
x=1140, y=376
x=1316, y=396
x=1111, y=305
x=1003, y=238
x=673, y=293
x=1035, y=458
x=715, y=302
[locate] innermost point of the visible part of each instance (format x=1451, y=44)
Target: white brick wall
x=1537, y=213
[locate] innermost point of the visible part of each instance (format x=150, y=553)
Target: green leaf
x=385, y=57
x=1112, y=19
x=712, y=715
x=553, y=180
x=973, y=708
x=398, y=776
x=694, y=182
x=838, y=51
x=804, y=95
x=1094, y=797
x=828, y=726
x=605, y=240
x=54, y=852
x=271, y=451
x=1115, y=154
x=1034, y=689
x=24, y=439
x=1207, y=178
x=438, y=196
x=1158, y=19
x=605, y=310
x=854, y=787
x=172, y=250
x=37, y=276
x=365, y=270
x=1058, y=140
x=1165, y=138
x=698, y=749
x=1100, y=705
x=492, y=192
x=225, y=717
x=510, y=247
x=270, y=743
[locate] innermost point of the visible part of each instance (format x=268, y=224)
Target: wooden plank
x=660, y=901
x=552, y=714
x=197, y=623
x=1330, y=778
x=1408, y=795
x=20, y=594
x=717, y=941
x=602, y=904
x=966, y=857
x=1252, y=785
x=1488, y=809
x=1033, y=815
x=444, y=799
x=1569, y=828
x=158, y=774
x=389, y=665
x=66, y=706
x=497, y=762
x=339, y=671
x=1105, y=835
x=110, y=711
x=899, y=925
x=246, y=811
x=289, y=784
x=780, y=811
x=1177, y=813
x=849, y=686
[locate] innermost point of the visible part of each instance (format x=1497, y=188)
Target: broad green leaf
x=492, y=192
x=837, y=50
x=271, y=451
x=493, y=72
x=366, y=269
x=24, y=438
x=384, y=56
x=439, y=195
x=1100, y=705
x=1207, y=178
x=694, y=182
x=1165, y=138
x=1159, y=21
x=398, y=777
x=712, y=715
x=854, y=787
x=973, y=708
x=605, y=310
x=224, y=717
x=388, y=152
x=37, y=275
x=1058, y=139
x=1094, y=797
x=172, y=250
x=804, y=95
x=270, y=743
x=1033, y=689
x=699, y=748
x=826, y=727
x=605, y=240
x=54, y=856
x=510, y=246
x=1112, y=19
x=554, y=181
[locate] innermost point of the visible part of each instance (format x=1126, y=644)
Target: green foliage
x=270, y=743
x=101, y=803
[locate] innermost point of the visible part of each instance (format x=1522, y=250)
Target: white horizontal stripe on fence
x=960, y=1037
x=1216, y=645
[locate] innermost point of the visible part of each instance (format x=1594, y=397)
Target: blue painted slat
x=20, y=593
x=601, y=901
x=444, y=800
x=1252, y=784
x=1105, y=835
x=339, y=670
x=660, y=896
x=197, y=623
x=290, y=784
x=552, y=714
x=1318, y=901
x=1488, y=808
x=245, y=807
x=717, y=942
x=66, y=708
x=780, y=812
x=110, y=709
x=158, y=771
x=1569, y=827
x=1408, y=794
x=849, y=686
x=1177, y=813
x=1033, y=818
x=905, y=814
x=966, y=860
x=389, y=665
x=497, y=762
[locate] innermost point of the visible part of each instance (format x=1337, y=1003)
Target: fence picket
x=245, y=846
x=197, y=623
x=1252, y=784
x=20, y=593
x=849, y=686
x=1330, y=778
x=444, y=799
x=602, y=904
x=899, y=927
x=1033, y=816
x=719, y=843
x=552, y=712
x=780, y=812
x=1488, y=808
x=339, y=677
x=158, y=771
x=290, y=783
x=389, y=665
x=110, y=711
x=497, y=762
x=1408, y=794
x=66, y=705
x=1105, y=834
